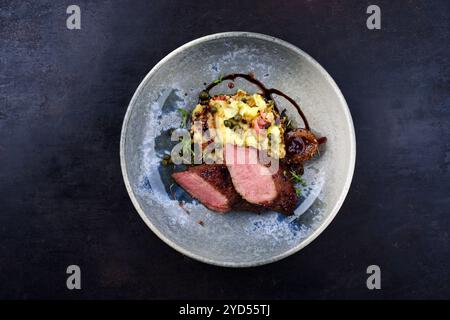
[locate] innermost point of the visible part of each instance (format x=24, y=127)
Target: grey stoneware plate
x=235, y=239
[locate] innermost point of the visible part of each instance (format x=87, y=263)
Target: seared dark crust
x=217, y=175
x=243, y=205
x=286, y=200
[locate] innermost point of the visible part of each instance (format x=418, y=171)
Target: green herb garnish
x=288, y=123
x=218, y=80
x=298, y=179
x=184, y=116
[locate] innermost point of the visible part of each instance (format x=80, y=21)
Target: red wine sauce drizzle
x=265, y=91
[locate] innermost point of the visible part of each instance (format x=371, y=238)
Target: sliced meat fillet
x=256, y=182
x=211, y=185
x=252, y=180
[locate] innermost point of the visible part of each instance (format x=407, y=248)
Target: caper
x=164, y=162
x=237, y=117
x=203, y=95
x=166, y=157
x=228, y=123
x=213, y=109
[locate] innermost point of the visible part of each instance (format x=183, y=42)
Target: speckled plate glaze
x=235, y=239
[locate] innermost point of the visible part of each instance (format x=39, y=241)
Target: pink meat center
x=253, y=181
x=203, y=191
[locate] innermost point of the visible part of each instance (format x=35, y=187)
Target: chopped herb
x=298, y=179
x=288, y=123
x=298, y=191
x=218, y=80
x=286, y=119
x=184, y=116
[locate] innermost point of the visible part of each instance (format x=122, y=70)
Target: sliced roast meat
x=257, y=183
x=211, y=185
x=252, y=180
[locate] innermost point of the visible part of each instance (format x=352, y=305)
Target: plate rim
x=343, y=194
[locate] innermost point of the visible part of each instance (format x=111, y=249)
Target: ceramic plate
x=235, y=239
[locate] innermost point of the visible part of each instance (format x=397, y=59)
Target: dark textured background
x=63, y=95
